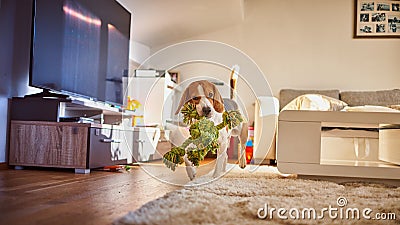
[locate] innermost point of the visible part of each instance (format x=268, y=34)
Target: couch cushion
x=382, y=98
x=315, y=102
x=287, y=95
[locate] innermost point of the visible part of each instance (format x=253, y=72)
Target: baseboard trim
x=271, y=162
x=4, y=166
x=341, y=180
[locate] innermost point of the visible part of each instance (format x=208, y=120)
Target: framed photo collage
x=374, y=18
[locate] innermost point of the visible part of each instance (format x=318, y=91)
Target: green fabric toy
x=203, y=135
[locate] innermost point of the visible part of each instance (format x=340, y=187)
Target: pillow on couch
x=315, y=102
x=287, y=95
x=397, y=107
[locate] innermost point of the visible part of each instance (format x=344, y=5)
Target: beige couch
x=352, y=98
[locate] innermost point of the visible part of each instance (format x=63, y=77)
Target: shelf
x=84, y=105
x=358, y=163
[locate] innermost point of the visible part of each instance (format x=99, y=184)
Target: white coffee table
x=299, y=144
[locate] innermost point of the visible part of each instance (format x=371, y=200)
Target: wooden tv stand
x=79, y=146
x=38, y=138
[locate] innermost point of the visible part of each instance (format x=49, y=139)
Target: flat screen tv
x=80, y=48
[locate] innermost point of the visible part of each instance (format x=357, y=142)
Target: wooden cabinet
x=48, y=144
x=68, y=145
x=39, y=135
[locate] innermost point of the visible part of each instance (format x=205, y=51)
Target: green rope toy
x=203, y=136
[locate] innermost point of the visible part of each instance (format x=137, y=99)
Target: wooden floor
x=49, y=196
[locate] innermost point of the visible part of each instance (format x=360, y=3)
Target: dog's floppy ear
x=218, y=101
x=184, y=98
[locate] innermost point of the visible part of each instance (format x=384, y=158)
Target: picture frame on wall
x=377, y=19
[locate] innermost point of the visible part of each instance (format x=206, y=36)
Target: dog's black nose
x=206, y=110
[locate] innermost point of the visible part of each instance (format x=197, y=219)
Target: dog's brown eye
x=196, y=98
x=210, y=95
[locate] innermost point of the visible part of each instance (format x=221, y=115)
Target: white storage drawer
x=108, y=146
x=145, y=142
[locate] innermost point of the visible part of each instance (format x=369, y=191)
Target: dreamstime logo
x=341, y=201
x=332, y=212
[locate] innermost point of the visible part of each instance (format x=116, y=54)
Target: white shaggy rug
x=241, y=196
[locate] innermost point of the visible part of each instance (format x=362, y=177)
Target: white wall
x=138, y=52
x=15, y=24
x=309, y=44
x=3, y=128
x=6, y=18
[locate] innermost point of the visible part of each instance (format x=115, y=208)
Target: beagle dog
x=210, y=104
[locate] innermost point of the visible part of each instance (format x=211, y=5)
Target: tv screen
x=81, y=48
